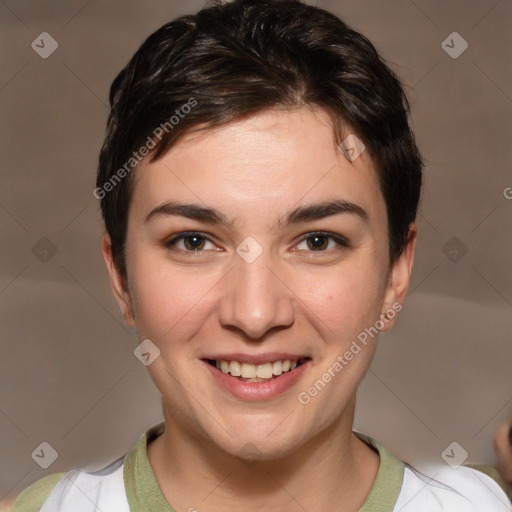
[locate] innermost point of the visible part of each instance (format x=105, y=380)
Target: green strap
x=144, y=494
x=33, y=497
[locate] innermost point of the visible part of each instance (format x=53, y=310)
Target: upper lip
x=268, y=357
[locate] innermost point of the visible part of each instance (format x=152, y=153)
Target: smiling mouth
x=247, y=372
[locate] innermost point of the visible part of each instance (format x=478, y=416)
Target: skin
x=293, y=298
x=502, y=444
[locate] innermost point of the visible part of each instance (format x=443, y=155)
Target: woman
x=259, y=184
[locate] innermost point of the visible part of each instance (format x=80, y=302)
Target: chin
x=252, y=441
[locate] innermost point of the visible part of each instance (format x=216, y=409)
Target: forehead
x=260, y=165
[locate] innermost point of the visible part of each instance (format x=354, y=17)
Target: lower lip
x=257, y=390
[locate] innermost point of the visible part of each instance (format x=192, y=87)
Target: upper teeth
x=250, y=371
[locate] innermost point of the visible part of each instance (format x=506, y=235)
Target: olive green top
x=143, y=492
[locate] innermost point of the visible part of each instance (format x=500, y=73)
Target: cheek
x=344, y=307
x=345, y=301
x=168, y=305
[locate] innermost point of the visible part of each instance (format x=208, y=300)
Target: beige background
x=68, y=375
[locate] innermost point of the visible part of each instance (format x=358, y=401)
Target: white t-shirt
x=129, y=485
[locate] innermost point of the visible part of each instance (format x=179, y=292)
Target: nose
x=256, y=299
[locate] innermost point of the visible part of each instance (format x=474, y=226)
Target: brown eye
x=194, y=242
x=318, y=242
x=189, y=242
x=322, y=242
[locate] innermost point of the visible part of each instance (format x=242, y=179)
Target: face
x=259, y=248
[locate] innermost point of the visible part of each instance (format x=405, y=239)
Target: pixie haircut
x=234, y=59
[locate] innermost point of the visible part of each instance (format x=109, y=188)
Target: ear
x=117, y=282
x=398, y=282
x=502, y=444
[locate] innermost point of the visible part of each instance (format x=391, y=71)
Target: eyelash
x=340, y=241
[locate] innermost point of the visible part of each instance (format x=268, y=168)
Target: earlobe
x=117, y=282
x=398, y=283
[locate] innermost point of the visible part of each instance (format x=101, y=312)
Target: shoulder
x=104, y=489
x=492, y=472
x=465, y=489
x=76, y=490
x=33, y=497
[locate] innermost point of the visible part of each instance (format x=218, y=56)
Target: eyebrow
x=300, y=214
x=190, y=211
x=321, y=211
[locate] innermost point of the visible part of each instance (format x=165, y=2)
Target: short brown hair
x=234, y=59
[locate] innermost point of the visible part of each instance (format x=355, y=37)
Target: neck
x=332, y=471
